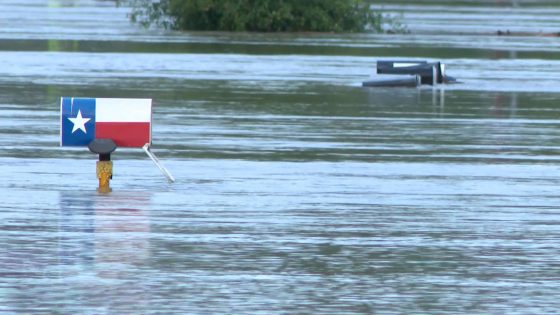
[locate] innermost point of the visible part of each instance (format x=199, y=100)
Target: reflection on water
x=89, y=254
x=106, y=233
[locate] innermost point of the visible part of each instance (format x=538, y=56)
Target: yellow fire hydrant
x=104, y=171
x=104, y=174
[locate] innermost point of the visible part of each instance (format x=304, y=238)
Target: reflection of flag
x=103, y=237
x=125, y=121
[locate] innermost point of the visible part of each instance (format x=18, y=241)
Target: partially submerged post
x=104, y=169
x=429, y=73
x=394, y=81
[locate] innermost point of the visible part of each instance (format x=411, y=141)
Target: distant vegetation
x=258, y=15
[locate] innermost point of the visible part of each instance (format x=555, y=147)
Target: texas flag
x=128, y=122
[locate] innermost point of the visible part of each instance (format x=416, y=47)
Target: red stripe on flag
x=125, y=134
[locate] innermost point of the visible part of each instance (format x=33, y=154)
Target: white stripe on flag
x=123, y=110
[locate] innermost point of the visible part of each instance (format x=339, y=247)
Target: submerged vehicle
x=393, y=73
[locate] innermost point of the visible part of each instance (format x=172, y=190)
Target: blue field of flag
x=77, y=121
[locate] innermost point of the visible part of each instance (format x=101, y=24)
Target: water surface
x=298, y=191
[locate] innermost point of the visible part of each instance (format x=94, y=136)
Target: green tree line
x=258, y=15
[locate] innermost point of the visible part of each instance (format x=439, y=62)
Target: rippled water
x=298, y=191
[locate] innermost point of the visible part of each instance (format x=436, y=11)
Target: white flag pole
x=154, y=158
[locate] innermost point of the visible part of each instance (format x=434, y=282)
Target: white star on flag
x=79, y=122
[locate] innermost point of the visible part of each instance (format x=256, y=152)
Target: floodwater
x=298, y=191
